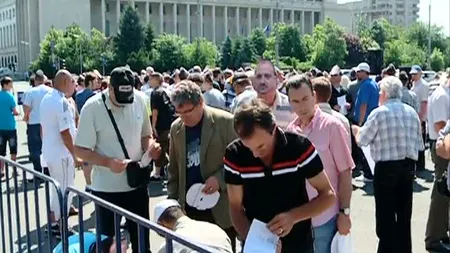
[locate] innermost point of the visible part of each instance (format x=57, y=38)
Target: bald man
x=58, y=133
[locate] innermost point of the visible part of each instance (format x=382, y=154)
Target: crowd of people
x=261, y=144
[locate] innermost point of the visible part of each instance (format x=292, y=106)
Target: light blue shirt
x=74, y=243
x=33, y=100
x=7, y=105
x=214, y=98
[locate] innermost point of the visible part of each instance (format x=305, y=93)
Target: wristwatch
x=345, y=211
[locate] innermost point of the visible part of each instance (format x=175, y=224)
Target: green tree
x=329, y=45
x=378, y=33
x=400, y=52
x=77, y=50
x=235, y=50
x=419, y=34
x=201, y=52
x=169, y=52
x=46, y=61
x=130, y=37
x=100, y=48
x=226, y=56
x=437, y=62
x=149, y=37
x=355, y=50
x=258, y=40
x=246, y=53
x=290, y=42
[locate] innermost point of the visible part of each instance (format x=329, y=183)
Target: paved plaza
x=363, y=212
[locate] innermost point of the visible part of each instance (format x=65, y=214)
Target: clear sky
x=440, y=12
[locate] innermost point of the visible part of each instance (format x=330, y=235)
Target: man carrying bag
x=114, y=133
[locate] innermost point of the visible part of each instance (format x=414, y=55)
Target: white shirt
x=281, y=107
x=56, y=117
x=422, y=91
x=201, y=233
x=438, y=110
x=96, y=132
x=33, y=100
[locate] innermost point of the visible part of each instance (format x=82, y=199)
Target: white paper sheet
x=366, y=151
x=342, y=102
x=260, y=239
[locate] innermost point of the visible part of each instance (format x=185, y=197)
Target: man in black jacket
x=338, y=91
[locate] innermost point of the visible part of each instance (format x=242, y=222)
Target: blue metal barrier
x=119, y=212
x=7, y=233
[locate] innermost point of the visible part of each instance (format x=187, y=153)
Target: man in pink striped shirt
x=331, y=140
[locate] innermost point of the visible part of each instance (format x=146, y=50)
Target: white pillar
x=175, y=18
x=238, y=27
x=249, y=20
x=161, y=18
x=133, y=4
x=271, y=18
x=302, y=18
x=201, y=20
x=118, y=14
x=225, y=16
x=312, y=21
x=282, y=15
x=260, y=18
x=213, y=16
x=292, y=16
x=188, y=21
x=103, y=10
x=147, y=12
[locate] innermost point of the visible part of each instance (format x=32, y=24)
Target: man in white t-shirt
x=58, y=132
x=421, y=89
x=438, y=217
x=31, y=108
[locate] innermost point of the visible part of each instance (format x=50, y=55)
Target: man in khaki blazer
x=198, y=139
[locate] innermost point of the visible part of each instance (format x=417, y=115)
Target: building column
x=188, y=21
x=201, y=20
x=103, y=13
x=225, y=16
x=238, y=27
x=118, y=14
x=175, y=18
x=312, y=21
x=292, y=16
x=281, y=18
x=161, y=18
x=213, y=16
x=260, y=18
x=249, y=20
x=271, y=18
x=302, y=18
x=147, y=12
x=133, y=4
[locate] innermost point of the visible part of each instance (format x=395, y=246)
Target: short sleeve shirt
x=7, y=105
x=422, y=91
x=438, y=110
x=270, y=191
x=56, y=117
x=33, y=100
x=96, y=132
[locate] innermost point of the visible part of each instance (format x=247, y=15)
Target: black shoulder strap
x=113, y=121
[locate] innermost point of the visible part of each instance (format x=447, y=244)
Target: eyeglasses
x=186, y=112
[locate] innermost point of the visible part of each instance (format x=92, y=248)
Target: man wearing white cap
x=168, y=213
x=367, y=96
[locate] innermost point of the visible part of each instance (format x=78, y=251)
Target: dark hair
x=146, y=79
x=390, y=70
x=216, y=72
x=404, y=78
x=80, y=80
x=171, y=214
x=241, y=79
x=322, y=87
x=105, y=245
x=32, y=81
x=249, y=116
x=5, y=80
x=184, y=74
x=296, y=82
x=196, y=78
x=88, y=78
x=137, y=81
x=208, y=76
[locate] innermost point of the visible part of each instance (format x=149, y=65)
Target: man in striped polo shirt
x=266, y=171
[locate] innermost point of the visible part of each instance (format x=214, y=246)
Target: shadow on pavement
x=156, y=189
x=419, y=188
x=366, y=187
x=426, y=175
x=33, y=241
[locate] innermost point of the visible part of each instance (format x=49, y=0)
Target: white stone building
x=8, y=33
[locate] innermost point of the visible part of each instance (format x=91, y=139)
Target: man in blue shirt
x=367, y=96
x=8, y=133
x=89, y=83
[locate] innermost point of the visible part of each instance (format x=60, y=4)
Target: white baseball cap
x=363, y=66
x=162, y=206
x=335, y=70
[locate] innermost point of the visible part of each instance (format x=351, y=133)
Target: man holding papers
x=266, y=171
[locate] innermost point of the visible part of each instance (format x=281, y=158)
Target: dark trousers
x=437, y=224
x=135, y=201
x=360, y=160
x=393, y=190
x=163, y=140
x=420, y=164
x=207, y=216
x=35, y=145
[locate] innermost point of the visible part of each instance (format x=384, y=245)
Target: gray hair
x=392, y=86
x=186, y=92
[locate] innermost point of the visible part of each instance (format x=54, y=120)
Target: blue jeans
x=323, y=236
x=35, y=145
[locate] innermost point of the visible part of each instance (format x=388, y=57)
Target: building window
x=14, y=12
x=121, y=7
x=107, y=7
x=150, y=9
x=107, y=28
